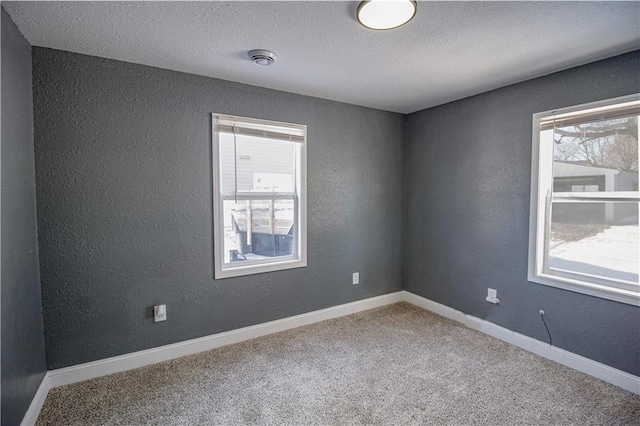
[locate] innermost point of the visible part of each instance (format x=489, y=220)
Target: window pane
x=258, y=229
x=596, y=239
x=596, y=156
x=262, y=164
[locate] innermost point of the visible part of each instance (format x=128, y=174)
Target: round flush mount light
x=262, y=57
x=386, y=14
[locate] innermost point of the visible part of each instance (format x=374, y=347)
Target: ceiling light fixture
x=262, y=57
x=386, y=14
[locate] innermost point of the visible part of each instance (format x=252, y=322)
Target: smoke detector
x=262, y=57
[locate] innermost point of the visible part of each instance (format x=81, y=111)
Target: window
x=584, y=199
x=259, y=186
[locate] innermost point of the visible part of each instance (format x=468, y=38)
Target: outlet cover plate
x=492, y=296
x=159, y=313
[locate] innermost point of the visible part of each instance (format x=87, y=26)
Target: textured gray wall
x=467, y=213
x=23, y=356
x=124, y=206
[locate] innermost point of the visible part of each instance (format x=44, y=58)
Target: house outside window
x=259, y=183
x=584, y=199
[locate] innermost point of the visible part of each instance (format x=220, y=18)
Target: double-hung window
x=259, y=185
x=584, y=199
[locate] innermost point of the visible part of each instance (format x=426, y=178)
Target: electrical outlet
x=492, y=296
x=356, y=278
x=159, y=313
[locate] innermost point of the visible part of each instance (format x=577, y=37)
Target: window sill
x=238, y=271
x=604, y=292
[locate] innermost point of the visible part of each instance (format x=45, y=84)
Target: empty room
x=381, y=212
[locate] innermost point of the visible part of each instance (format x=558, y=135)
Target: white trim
x=539, y=214
x=587, y=106
x=577, y=362
x=299, y=259
x=592, y=289
x=37, y=402
x=260, y=267
x=103, y=367
x=435, y=307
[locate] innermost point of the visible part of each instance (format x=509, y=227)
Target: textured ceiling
x=450, y=50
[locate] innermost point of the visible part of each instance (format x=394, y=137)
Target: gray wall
x=467, y=213
x=124, y=206
x=23, y=357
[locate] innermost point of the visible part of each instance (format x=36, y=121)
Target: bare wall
x=124, y=170
x=23, y=355
x=467, y=213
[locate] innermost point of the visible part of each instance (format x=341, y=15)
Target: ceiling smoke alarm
x=262, y=57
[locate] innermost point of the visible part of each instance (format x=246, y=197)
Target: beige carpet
x=396, y=365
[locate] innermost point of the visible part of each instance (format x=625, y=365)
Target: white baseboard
x=37, y=402
x=103, y=367
x=435, y=307
x=577, y=362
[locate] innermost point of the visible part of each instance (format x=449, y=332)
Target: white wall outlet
x=492, y=296
x=159, y=313
x=356, y=278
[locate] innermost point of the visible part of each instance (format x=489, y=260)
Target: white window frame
x=299, y=257
x=541, y=191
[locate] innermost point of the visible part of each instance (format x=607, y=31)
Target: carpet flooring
x=396, y=365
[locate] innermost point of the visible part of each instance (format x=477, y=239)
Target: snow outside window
x=584, y=233
x=259, y=182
